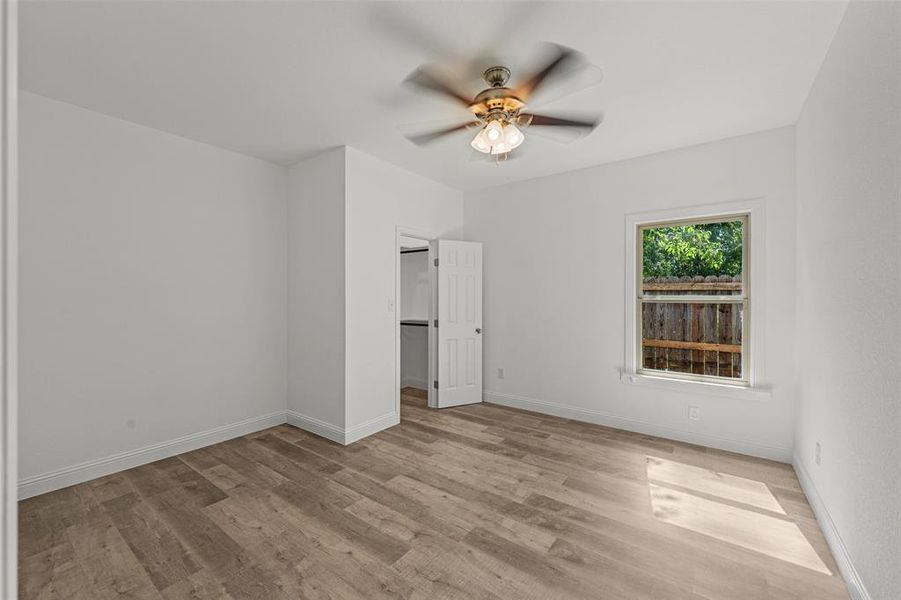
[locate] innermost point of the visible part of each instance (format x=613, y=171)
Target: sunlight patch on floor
x=745, y=527
x=722, y=485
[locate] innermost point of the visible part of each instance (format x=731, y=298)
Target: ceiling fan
x=499, y=111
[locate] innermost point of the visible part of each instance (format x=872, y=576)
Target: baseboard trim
x=358, y=432
x=342, y=435
x=761, y=450
x=79, y=473
x=314, y=425
x=416, y=383
x=856, y=588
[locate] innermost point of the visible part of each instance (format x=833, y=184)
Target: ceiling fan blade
x=560, y=59
x=562, y=130
x=557, y=135
x=573, y=80
x=427, y=79
x=421, y=139
x=533, y=120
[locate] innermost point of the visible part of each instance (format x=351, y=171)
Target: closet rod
x=412, y=250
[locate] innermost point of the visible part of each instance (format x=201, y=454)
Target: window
x=693, y=300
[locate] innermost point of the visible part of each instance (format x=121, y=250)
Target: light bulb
x=494, y=131
x=513, y=137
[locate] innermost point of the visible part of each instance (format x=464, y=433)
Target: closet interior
x=414, y=314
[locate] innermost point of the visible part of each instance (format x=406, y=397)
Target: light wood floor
x=471, y=502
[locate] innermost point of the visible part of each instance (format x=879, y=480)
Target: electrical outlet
x=500, y=372
x=817, y=454
x=694, y=413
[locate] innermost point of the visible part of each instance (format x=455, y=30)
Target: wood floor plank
x=35, y=536
x=534, y=563
x=479, y=501
x=327, y=511
x=207, y=542
x=154, y=545
x=364, y=570
x=202, y=585
x=111, y=569
x=278, y=536
x=53, y=574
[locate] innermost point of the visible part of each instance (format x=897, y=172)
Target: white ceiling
x=284, y=80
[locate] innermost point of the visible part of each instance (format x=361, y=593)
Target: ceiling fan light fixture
x=513, y=137
x=497, y=138
x=481, y=143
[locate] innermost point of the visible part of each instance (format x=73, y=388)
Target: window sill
x=740, y=392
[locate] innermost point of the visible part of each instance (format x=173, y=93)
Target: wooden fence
x=703, y=339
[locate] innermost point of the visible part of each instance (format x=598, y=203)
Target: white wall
x=345, y=208
x=381, y=197
x=554, y=287
x=153, y=300
x=316, y=288
x=849, y=279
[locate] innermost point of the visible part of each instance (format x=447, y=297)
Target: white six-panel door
x=458, y=305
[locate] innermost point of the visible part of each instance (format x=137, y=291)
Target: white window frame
x=752, y=211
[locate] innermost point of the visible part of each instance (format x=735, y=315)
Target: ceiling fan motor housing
x=496, y=103
x=496, y=76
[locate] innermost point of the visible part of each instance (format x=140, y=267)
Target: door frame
x=8, y=296
x=427, y=237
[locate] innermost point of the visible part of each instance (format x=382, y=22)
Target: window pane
x=702, y=339
x=703, y=259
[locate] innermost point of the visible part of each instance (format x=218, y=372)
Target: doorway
x=413, y=309
x=438, y=322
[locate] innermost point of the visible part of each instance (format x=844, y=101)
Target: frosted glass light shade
x=513, y=137
x=481, y=143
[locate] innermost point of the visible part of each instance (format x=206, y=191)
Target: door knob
x=478, y=330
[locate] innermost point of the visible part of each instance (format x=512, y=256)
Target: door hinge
x=435, y=384
x=436, y=262
x=436, y=322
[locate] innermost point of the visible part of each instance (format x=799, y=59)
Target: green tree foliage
x=689, y=250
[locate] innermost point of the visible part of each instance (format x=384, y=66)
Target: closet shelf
x=415, y=322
